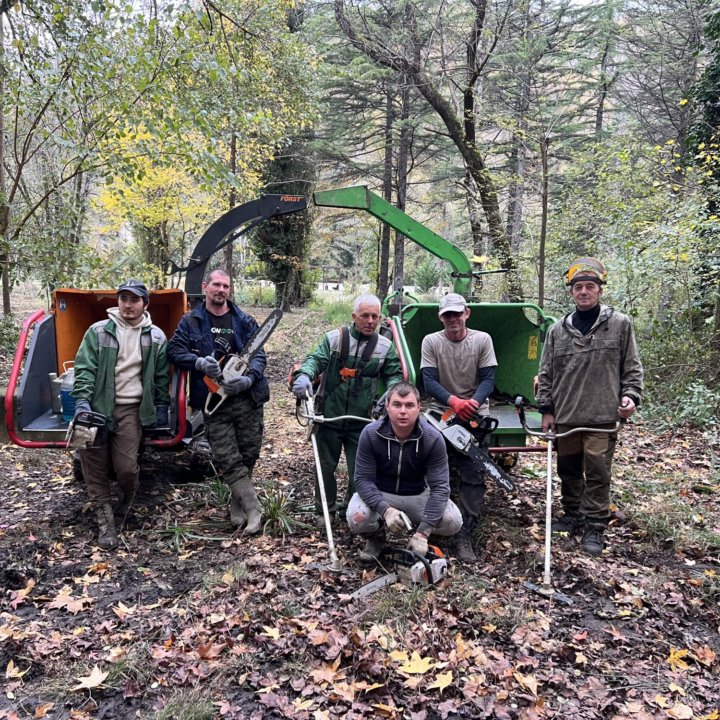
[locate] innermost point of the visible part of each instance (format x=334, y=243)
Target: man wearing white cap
x=590, y=375
x=458, y=371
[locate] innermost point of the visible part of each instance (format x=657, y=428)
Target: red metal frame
x=25, y=328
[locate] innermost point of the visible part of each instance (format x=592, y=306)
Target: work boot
x=373, y=547
x=107, y=535
x=127, y=498
x=571, y=523
x=464, y=551
x=592, y=541
x=244, y=493
x=237, y=514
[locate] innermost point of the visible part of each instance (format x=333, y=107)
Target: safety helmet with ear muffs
x=586, y=268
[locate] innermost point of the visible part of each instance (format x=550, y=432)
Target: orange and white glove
x=464, y=409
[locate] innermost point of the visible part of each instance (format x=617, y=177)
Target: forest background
x=525, y=132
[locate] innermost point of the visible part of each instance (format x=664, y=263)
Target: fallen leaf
x=528, y=682
x=417, y=665
x=94, y=679
x=13, y=671
x=681, y=712
x=42, y=710
x=272, y=632
x=675, y=659
x=442, y=681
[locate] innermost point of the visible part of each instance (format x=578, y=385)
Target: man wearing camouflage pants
x=212, y=330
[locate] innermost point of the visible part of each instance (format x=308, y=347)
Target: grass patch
x=668, y=521
x=280, y=509
x=335, y=313
x=187, y=705
x=133, y=666
x=403, y=605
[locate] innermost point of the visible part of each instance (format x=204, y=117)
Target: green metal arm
x=359, y=197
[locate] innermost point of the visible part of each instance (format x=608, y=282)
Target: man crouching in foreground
x=401, y=467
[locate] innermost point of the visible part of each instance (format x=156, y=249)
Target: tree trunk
x=382, y=281
x=4, y=207
x=402, y=183
x=544, y=143
x=232, y=199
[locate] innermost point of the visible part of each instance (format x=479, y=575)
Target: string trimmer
x=546, y=589
x=306, y=416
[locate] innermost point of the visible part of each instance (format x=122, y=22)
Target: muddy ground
x=187, y=619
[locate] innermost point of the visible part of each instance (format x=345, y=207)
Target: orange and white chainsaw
x=238, y=363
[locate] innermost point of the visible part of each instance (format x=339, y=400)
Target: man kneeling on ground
x=401, y=467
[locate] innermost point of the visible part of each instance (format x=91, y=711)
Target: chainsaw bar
x=465, y=442
x=238, y=364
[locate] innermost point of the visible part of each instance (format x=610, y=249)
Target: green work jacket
x=339, y=396
x=95, y=370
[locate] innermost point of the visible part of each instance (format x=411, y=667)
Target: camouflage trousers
x=235, y=432
x=584, y=462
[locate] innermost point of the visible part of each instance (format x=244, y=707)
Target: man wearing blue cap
x=121, y=372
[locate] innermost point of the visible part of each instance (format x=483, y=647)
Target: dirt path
x=188, y=620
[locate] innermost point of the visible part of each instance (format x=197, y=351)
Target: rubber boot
x=464, y=551
x=244, y=493
x=107, y=535
x=373, y=547
x=237, y=514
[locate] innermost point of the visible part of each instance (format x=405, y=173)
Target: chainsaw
x=411, y=569
x=237, y=364
x=86, y=430
x=460, y=438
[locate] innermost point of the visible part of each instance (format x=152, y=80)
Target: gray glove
x=418, y=544
x=81, y=406
x=394, y=520
x=209, y=366
x=302, y=387
x=237, y=385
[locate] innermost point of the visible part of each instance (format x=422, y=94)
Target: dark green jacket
x=95, y=370
x=339, y=396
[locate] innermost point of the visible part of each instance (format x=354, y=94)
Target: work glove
x=161, y=416
x=379, y=409
x=80, y=407
x=237, y=385
x=464, y=409
x=394, y=520
x=302, y=387
x=418, y=544
x=209, y=366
